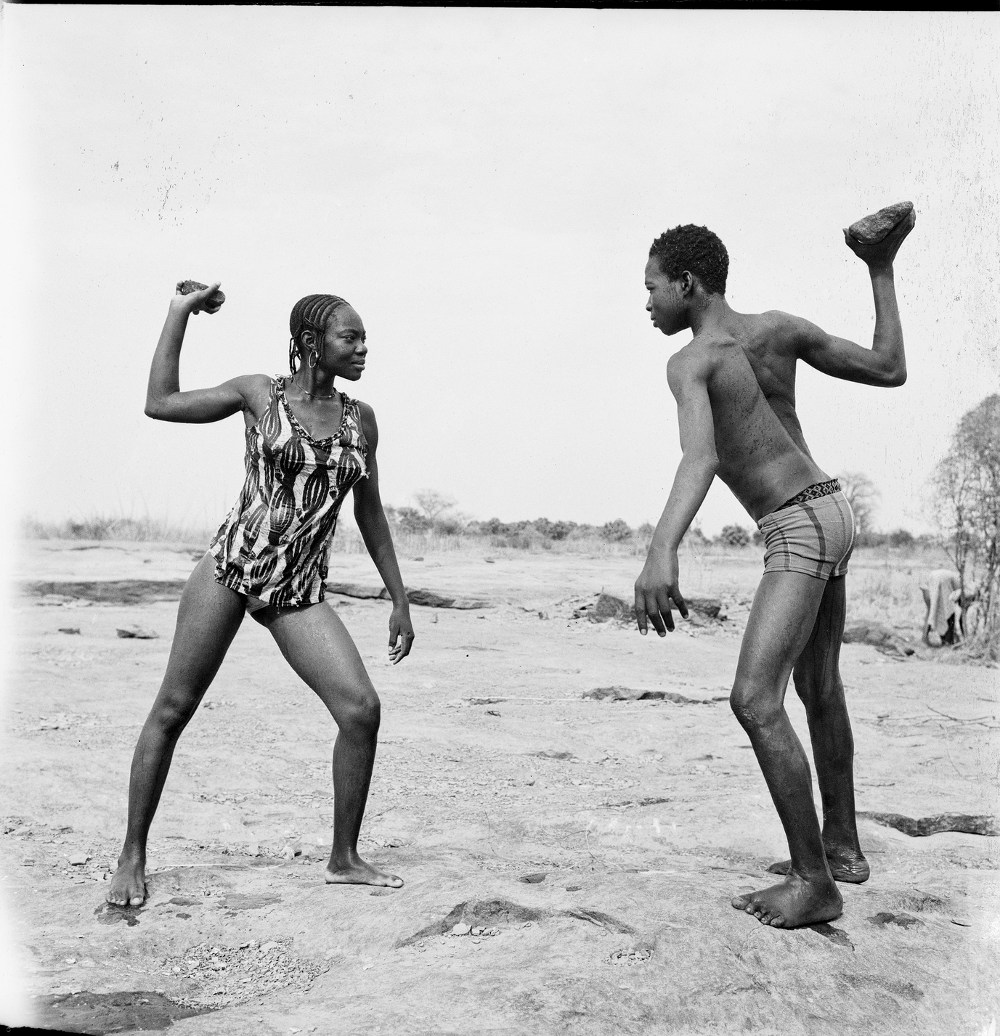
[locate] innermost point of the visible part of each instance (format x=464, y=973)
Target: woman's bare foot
x=355, y=871
x=128, y=883
x=847, y=865
x=793, y=903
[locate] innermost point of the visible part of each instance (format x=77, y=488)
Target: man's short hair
x=697, y=250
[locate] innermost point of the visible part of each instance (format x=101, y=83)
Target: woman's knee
x=172, y=711
x=361, y=715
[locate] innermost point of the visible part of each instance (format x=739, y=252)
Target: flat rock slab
x=424, y=598
x=138, y=1010
x=136, y=633
x=109, y=591
x=608, y=606
x=637, y=694
x=882, y=638
x=144, y=591
x=935, y=825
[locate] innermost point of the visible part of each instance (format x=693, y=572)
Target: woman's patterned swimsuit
x=273, y=544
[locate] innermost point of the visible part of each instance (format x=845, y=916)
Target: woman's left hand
x=401, y=633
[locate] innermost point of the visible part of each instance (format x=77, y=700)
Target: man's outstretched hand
x=655, y=590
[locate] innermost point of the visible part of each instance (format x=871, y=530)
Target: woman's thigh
x=318, y=647
x=208, y=617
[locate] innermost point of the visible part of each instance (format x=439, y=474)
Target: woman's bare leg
x=207, y=620
x=319, y=648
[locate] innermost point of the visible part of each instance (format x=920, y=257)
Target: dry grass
x=118, y=527
x=883, y=584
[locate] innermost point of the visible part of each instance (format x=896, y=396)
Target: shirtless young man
x=734, y=386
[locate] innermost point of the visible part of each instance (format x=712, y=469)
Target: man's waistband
x=813, y=492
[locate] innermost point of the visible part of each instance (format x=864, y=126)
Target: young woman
x=307, y=446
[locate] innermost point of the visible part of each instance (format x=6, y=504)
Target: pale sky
x=483, y=187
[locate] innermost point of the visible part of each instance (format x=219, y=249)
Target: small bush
x=412, y=520
x=553, y=530
x=448, y=526
x=734, y=536
x=617, y=531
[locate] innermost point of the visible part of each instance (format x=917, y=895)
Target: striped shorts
x=814, y=536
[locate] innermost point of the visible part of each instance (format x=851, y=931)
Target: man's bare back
x=758, y=459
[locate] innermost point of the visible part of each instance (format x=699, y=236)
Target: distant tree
x=734, y=536
x=553, y=530
x=966, y=484
x=432, y=503
x=412, y=520
x=901, y=538
x=449, y=525
x=616, y=531
x=863, y=497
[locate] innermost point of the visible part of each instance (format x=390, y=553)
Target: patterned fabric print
x=273, y=543
x=813, y=492
x=815, y=538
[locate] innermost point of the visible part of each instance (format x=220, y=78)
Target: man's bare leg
x=818, y=683
x=207, y=620
x=780, y=624
x=320, y=650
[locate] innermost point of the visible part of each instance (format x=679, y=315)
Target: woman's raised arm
x=164, y=399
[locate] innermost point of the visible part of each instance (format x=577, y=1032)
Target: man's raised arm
x=885, y=363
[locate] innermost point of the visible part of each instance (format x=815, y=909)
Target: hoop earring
x=313, y=357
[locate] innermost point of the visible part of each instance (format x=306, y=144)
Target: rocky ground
x=570, y=840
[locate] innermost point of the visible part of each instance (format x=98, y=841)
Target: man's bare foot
x=793, y=903
x=847, y=865
x=128, y=884
x=356, y=872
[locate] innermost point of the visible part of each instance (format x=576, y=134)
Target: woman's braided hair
x=309, y=314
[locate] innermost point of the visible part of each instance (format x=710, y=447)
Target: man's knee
x=817, y=682
x=754, y=705
x=817, y=685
